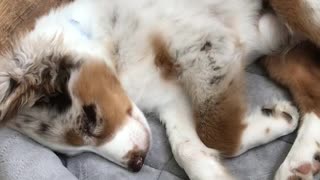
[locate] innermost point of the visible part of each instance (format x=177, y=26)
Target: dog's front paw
x=285, y=111
x=301, y=171
x=201, y=163
x=298, y=169
x=303, y=160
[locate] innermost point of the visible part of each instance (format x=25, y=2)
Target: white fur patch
x=303, y=150
x=262, y=128
x=314, y=6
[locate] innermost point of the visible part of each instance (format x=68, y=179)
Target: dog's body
x=75, y=80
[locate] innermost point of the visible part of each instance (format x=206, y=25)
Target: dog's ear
x=23, y=83
x=12, y=96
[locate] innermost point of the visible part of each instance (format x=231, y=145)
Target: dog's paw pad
x=304, y=169
x=282, y=110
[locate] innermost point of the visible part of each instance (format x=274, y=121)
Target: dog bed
x=23, y=159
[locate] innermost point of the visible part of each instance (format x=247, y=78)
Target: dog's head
x=71, y=104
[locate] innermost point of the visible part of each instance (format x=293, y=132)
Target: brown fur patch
x=299, y=71
x=298, y=14
x=163, y=60
x=97, y=85
x=267, y=130
x=73, y=138
x=219, y=122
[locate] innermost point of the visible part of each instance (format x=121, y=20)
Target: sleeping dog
x=79, y=80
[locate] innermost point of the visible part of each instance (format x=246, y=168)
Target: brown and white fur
x=298, y=70
x=75, y=82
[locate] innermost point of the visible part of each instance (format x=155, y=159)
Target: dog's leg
x=208, y=69
x=268, y=36
x=211, y=72
x=199, y=162
x=303, y=160
x=302, y=16
x=298, y=70
x=268, y=123
x=232, y=129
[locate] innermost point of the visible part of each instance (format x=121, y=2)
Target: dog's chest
x=146, y=87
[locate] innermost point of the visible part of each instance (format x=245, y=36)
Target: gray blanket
x=24, y=159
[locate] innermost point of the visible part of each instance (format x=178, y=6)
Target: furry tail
x=302, y=16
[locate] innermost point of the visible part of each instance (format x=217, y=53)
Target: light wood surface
x=18, y=16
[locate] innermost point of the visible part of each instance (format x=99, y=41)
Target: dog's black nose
x=136, y=162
